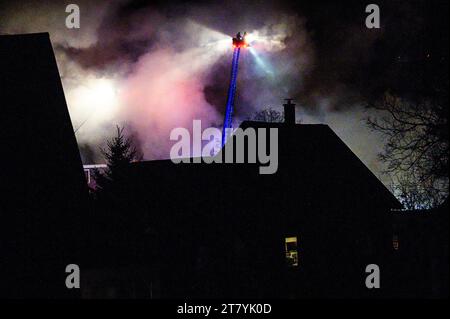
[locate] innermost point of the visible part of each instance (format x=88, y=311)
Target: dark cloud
x=359, y=64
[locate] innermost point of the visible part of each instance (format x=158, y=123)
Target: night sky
x=155, y=65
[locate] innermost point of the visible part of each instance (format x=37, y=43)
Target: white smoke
x=164, y=86
x=151, y=69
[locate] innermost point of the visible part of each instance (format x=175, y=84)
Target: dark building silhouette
x=196, y=230
x=42, y=187
x=309, y=230
x=420, y=259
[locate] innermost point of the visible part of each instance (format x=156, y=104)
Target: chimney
x=289, y=112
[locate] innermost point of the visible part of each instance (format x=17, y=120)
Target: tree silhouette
x=268, y=115
x=118, y=154
x=412, y=194
x=417, y=146
x=118, y=222
x=113, y=191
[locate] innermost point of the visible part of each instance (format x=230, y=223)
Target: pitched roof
x=37, y=132
x=42, y=188
x=313, y=164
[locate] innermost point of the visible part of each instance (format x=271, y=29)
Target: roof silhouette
x=42, y=174
x=313, y=160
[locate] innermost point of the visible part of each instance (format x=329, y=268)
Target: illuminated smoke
x=149, y=68
x=154, y=68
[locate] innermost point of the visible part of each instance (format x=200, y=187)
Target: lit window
x=395, y=243
x=291, y=251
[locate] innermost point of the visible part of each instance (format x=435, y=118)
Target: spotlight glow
x=250, y=38
x=262, y=64
x=96, y=102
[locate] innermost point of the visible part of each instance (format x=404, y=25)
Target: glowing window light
x=291, y=251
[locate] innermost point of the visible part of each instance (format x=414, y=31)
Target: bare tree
x=413, y=195
x=416, y=150
x=269, y=115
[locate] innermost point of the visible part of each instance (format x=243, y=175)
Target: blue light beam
x=228, y=121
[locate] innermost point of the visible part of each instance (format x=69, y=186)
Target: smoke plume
x=152, y=67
